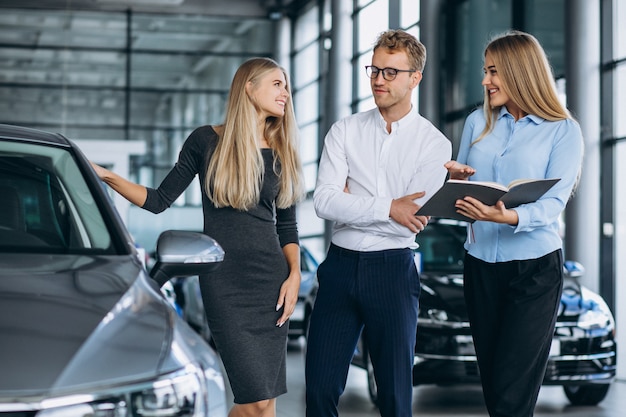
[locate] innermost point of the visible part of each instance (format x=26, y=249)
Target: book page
x=520, y=181
x=491, y=184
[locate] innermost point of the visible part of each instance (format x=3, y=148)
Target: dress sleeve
x=191, y=161
x=287, y=226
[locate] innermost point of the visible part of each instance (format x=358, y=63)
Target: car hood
x=77, y=322
x=444, y=292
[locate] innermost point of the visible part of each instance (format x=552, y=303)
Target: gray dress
x=240, y=296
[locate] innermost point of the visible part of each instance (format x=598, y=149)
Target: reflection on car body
x=583, y=354
x=85, y=330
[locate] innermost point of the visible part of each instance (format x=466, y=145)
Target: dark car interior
x=441, y=247
x=35, y=211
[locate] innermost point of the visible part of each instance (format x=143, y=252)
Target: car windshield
x=441, y=246
x=45, y=203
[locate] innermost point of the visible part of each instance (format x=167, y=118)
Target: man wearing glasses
x=376, y=169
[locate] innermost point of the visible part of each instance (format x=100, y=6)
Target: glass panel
x=310, y=175
x=619, y=103
x=372, y=20
x=56, y=211
x=53, y=67
x=364, y=89
x=63, y=28
x=475, y=23
x=309, y=226
x=55, y=109
x=67, y=71
x=186, y=33
x=409, y=13
x=366, y=104
x=415, y=31
x=183, y=71
x=308, y=29
x=306, y=66
x=309, y=143
x=549, y=30
x=619, y=35
x=306, y=104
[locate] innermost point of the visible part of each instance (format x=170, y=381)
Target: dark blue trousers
x=376, y=292
x=512, y=308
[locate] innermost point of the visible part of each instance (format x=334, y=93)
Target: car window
x=46, y=204
x=441, y=247
x=307, y=262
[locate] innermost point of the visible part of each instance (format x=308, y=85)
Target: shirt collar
x=532, y=117
x=398, y=124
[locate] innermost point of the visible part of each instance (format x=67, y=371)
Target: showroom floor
x=431, y=401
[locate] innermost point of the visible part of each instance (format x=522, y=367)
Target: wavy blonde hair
x=235, y=172
x=526, y=77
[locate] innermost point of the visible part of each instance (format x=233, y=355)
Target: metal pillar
x=430, y=92
x=582, y=70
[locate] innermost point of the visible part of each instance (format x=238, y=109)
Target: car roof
x=32, y=135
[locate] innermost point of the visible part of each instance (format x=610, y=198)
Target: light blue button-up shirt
x=530, y=148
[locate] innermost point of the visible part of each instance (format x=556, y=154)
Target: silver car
x=85, y=330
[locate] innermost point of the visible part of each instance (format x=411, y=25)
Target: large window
x=372, y=18
x=306, y=73
x=112, y=75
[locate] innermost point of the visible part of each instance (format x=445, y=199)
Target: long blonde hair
x=235, y=172
x=526, y=77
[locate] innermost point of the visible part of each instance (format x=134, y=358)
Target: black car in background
x=84, y=330
x=583, y=355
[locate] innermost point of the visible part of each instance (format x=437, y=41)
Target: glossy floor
x=431, y=401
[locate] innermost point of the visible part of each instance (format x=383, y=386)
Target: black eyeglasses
x=389, y=74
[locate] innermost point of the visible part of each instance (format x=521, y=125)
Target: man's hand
x=403, y=211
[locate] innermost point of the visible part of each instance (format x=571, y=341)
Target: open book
x=518, y=192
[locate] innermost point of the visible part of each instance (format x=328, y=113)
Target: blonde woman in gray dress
x=250, y=175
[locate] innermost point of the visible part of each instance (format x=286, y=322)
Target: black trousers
x=512, y=309
x=375, y=291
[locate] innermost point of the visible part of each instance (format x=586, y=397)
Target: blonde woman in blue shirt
x=514, y=262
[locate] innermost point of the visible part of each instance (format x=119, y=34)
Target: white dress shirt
x=377, y=167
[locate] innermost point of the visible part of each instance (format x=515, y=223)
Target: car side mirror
x=182, y=253
x=573, y=269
